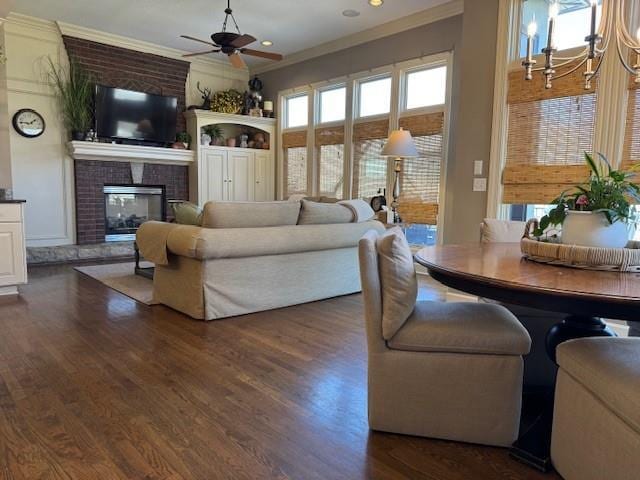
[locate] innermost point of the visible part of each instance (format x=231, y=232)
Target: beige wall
x=472, y=38
x=41, y=170
x=471, y=132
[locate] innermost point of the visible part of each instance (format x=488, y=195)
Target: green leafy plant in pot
x=74, y=90
x=215, y=132
x=598, y=212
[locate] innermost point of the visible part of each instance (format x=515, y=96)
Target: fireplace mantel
x=110, y=152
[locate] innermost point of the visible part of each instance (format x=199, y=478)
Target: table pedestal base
x=533, y=447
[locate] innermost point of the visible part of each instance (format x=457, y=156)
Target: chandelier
x=612, y=33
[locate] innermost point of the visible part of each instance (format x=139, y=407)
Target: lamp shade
x=400, y=144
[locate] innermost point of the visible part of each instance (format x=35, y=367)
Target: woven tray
x=591, y=258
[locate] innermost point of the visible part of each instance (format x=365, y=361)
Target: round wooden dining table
x=499, y=272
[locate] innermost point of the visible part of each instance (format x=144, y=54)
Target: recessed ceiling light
x=376, y=3
x=266, y=43
x=350, y=13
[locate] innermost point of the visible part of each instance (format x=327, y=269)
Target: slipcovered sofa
x=253, y=256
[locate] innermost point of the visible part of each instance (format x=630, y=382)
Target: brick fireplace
x=91, y=176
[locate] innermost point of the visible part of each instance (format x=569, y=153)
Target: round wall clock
x=28, y=123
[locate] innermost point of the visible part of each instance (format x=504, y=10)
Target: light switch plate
x=479, y=184
x=477, y=167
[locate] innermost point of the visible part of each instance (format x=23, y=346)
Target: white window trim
x=397, y=72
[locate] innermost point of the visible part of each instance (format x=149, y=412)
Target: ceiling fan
x=232, y=44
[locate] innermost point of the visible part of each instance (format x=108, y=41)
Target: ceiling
x=292, y=25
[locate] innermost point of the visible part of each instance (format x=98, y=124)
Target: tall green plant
x=74, y=89
x=608, y=191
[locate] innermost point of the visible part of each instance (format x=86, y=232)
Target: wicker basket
x=610, y=259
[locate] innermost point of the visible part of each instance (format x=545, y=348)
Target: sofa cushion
x=462, y=327
x=249, y=214
x=315, y=213
x=362, y=211
x=152, y=238
x=187, y=213
x=214, y=243
x=610, y=369
x=397, y=280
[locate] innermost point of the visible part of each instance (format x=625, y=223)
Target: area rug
x=120, y=277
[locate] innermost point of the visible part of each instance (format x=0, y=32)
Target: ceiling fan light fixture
x=376, y=3
x=350, y=13
x=266, y=43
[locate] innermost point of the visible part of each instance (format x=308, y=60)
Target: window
x=332, y=104
x=369, y=166
x=296, y=161
x=297, y=109
x=426, y=88
x=374, y=97
x=572, y=24
x=331, y=170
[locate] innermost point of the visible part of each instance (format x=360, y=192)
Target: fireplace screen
x=128, y=206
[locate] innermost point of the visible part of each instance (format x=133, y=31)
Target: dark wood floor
x=95, y=385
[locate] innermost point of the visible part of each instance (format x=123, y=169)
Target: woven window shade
x=420, y=176
x=631, y=150
x=295, y=170
x=369, y=166
x=330, y=135
x=331, y=170
x=548, y=132
x=294, y=139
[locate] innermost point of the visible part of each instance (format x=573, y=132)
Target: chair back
x=371, y=291
x=494, y=230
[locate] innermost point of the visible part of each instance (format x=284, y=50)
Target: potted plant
x=74, y=89
x=214, y=132
x=596, y=213
x=183, y=139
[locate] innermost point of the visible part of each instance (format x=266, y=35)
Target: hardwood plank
x=95, y=385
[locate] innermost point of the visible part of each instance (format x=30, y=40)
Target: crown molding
x=147, y=47
x=20, y=20
x=431, y=15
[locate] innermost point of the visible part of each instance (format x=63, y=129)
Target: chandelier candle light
x=399, y=145
x=612, y=29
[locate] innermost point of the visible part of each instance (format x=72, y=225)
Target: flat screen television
x=129, y=115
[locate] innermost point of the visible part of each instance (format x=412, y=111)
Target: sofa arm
x=151, y=239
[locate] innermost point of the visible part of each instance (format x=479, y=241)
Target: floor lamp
x=399, y=145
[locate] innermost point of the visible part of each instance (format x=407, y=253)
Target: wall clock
x=28, y=123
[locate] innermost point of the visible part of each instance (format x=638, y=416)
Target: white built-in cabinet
x=231, y=174
x=13, y=264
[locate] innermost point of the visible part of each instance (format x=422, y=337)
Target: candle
x=268, y=105
x=531, y=32
x=594, y=4
x=553, y=13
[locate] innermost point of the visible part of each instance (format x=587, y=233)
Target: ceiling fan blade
x=200, y=53
x=198, y=40
x=242, y=40
x=236, y=60
x=258, y=53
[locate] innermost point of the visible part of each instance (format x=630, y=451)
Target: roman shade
x=420, y=176
x=369, y=166
x=294, y=145
x=548, y=131
x=631, y=151
x=329, y=142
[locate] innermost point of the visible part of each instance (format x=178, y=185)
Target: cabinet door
x=12, y=261
x=262, y=177
x=214, y=176
x=241, y=173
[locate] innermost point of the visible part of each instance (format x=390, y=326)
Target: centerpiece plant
x=606, y=199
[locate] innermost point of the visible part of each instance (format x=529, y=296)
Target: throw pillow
x=187, y=213
x=314, y=213
x=397, y=280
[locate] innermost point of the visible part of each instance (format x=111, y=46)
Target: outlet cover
x=479, y=184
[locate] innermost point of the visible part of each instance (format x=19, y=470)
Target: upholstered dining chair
x=539, y=369
x=596, y=418
x=444, y=370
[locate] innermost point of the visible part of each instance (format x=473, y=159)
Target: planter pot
x=76, y=135
x=231, y=142
x=590, y=229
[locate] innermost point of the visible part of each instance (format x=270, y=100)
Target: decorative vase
x=77, y=135
x=589, y=229
x=231, y=142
